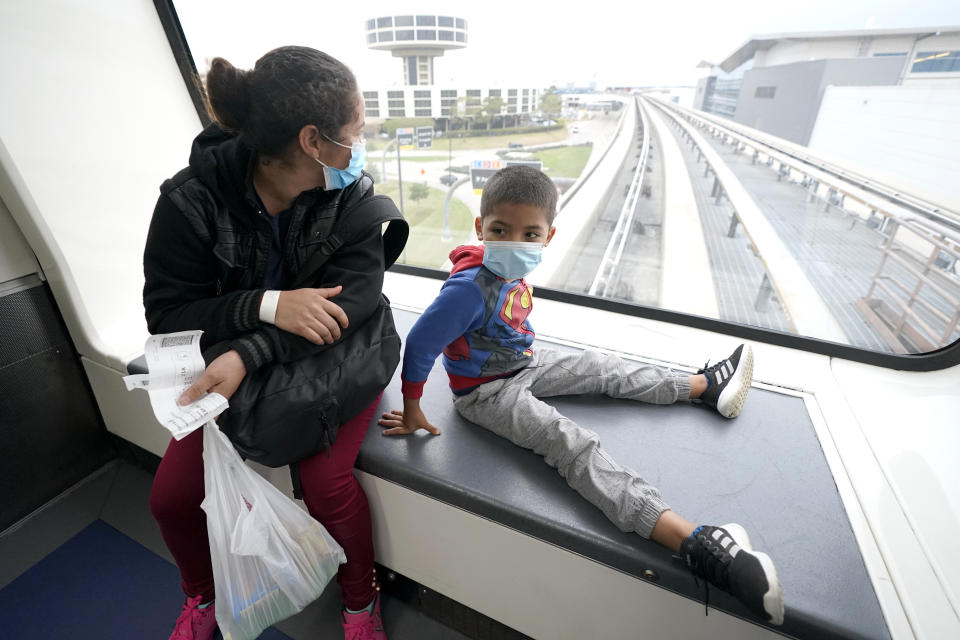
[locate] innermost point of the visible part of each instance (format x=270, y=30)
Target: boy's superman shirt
x=479, y=323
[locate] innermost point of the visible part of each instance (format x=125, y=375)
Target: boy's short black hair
x=520, y=184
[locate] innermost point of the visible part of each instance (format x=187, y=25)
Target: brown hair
x=287, y=89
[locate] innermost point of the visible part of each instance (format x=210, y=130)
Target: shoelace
x=190, y=615
x=352, y=632
x=710, y=562
x=707, y=369
x=696, y=581
x=356, y=631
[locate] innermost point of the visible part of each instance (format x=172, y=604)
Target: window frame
x=943, y=358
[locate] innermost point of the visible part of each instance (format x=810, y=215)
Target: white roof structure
x=763, y=42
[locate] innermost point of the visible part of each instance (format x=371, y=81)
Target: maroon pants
x=331, y=492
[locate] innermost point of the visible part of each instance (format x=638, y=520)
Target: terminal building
x=883, y=100
x=776, y=83
x=418, y=39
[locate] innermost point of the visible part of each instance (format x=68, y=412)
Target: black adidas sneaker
x=724, y=558
x=729, y=382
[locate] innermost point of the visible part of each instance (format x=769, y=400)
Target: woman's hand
x=223, y=376
x=407, y=421
x=309, y=314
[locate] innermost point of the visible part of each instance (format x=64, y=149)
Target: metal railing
x=835, y=177
x=618, y=240
x=913, y=301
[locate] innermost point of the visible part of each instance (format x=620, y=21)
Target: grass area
x=564, y=162
x=425, y=246
x=501, y=141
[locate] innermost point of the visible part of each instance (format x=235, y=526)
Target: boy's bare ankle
x=698, y=384
x=671, y=529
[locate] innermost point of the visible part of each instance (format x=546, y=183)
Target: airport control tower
x=418, y=39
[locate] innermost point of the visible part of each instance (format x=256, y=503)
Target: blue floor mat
x=98, y=585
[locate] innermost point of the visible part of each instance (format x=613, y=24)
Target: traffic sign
x=405, y=138
x=480, y=172
x=424, y=137
x=536, y=164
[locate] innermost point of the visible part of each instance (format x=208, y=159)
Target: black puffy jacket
x=207, y=249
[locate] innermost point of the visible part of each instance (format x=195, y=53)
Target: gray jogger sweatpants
x=511, y=408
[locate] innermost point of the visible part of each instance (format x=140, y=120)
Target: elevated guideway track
x=885, y=200
x=806, y=310
x=840, y=233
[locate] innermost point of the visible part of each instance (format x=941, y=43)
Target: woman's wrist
x=268, y=306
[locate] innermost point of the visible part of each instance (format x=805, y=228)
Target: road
x=599, y=131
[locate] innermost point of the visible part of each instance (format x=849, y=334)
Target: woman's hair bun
x=228, y=94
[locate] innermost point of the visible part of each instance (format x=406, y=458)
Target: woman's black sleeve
x=359, y=267
x=180, y=282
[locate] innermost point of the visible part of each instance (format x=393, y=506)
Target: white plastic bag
x=270, y=558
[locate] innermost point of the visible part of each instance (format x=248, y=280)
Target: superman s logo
x=516, y=306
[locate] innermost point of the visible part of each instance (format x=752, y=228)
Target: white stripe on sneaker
x=728, y=368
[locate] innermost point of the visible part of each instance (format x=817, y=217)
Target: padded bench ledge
x=764, y=470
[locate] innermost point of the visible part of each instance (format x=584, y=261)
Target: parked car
x=514, y=145
x=575, y=129
x=448, y=179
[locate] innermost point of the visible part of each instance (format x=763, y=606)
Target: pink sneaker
x=363, y=625
x=194, y=623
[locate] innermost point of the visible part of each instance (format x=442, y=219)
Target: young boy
x=480, y=323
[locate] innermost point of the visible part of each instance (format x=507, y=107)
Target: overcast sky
x=525, y=44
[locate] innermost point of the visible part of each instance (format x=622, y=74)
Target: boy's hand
x=406, y=421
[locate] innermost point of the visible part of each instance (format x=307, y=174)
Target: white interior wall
x=902, y=135
x=16, y=258
x=94, y=116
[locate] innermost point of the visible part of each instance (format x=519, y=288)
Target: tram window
x=861, y=250
x=936, y=62
x=765, y=92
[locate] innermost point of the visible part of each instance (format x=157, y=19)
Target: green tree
x=492, y=107
x=550, y=104
x=458, y=108
x=473, y=109
x=419, y=192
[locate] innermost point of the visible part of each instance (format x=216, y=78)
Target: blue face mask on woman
x=511, y=260
x=334, y=178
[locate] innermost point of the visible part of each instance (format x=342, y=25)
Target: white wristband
x=268, y=306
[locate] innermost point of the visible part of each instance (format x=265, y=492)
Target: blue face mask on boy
x=511, y=260
x=334, y=178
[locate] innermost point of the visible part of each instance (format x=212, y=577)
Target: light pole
x=383, y=162
x=399, y=179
